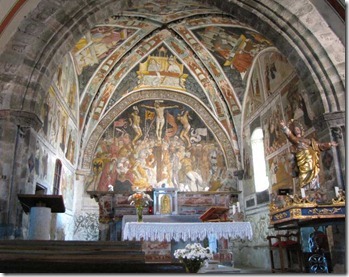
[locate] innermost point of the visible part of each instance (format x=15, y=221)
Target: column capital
x=22, y=118
x=330, y=120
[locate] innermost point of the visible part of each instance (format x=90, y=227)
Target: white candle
x=238, y=205
x=303, y=192
x=234, y=209
x=336, y=189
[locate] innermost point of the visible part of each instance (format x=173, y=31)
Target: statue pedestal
x=41, y=208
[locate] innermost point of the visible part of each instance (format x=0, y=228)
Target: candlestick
x=303, y=192
x=336, y=190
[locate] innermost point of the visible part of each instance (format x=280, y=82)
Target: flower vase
x=139, y=211
x=192, y=266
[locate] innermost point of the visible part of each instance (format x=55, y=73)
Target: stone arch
x=36, y=49
x=300, y=42
x=208, y=118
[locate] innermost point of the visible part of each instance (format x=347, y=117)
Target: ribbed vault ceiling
x=212, y=54
x=120, y=53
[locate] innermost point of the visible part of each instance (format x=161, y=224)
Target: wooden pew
x=35, y=256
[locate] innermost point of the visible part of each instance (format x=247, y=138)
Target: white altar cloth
x=161, y=231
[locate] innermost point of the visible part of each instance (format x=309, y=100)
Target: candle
x=336, y=189
x=234, y=209
x=303, y=192
x=238, y=206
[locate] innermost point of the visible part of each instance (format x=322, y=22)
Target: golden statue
x=307, y=152
x=165, y=204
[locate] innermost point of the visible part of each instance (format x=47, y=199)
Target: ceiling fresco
x=98, y=44
x=196, y=52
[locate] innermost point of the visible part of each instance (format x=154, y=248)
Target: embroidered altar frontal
x=153, y=231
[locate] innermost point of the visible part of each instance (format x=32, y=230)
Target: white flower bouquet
x=192, y=256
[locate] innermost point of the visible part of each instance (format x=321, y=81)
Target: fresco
x=232, y=47
x=164, y=71
x=273, y=136
x=66, y=188
x=281, y=170
x=276, y=70
x=254, y=96
x=156, y=143
x=90, y=81
x=70, y=152
x=40, y=166
x=66, y=84
x=97, y=44
x=60, y=131
x=52, y=117
x=296, y=104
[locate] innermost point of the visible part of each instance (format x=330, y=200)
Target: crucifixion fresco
x=157, y=143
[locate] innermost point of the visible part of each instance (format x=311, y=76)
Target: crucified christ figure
x=160, y=119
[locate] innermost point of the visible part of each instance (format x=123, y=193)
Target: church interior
x=132, y=129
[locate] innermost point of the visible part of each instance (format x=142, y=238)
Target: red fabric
x=284, y=243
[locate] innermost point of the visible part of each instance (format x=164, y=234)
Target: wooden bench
x=35, y=256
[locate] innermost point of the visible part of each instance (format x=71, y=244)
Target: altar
x=167, y=231
x=115, y=212
x=166, y=237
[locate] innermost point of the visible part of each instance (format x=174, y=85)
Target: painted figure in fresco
x=94, y=178
x=124, y=178
x=135, y=121
x=166, y=166
x=173, y=67
x=273, y=129
x=108, y=176
x=192, y=178
x=298, y=109
x=307, y=152
x=272, y=171
x=229, y=182
x=184, y=119
x=63, y=132
x=160, y=119
x=175, y=164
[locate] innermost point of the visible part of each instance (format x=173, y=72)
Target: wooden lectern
x=215, y=214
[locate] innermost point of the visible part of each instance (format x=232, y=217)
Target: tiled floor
x=254, y=271
x=234, y=270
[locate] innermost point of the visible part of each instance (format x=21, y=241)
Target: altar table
x=166, y=231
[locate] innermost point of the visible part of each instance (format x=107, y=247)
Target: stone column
x=333, y=125
x=330, y=127
x=40, y=222
x=18, y=135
